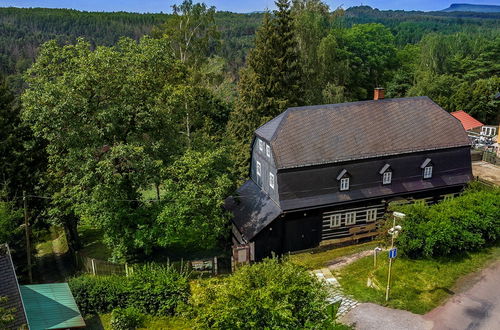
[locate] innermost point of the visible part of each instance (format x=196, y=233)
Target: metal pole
x=374, y=259
x=27, y=232
x=390, y=261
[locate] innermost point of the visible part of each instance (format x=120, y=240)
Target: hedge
x=465, y=223
x=154, y=290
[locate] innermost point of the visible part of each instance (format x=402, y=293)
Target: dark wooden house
x=325, y=174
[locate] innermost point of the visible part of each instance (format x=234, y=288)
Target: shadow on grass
x=93, y=322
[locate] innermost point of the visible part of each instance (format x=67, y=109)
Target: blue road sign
x=393, y=253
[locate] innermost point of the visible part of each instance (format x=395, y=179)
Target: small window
x=261, y=145
x=387, y=177
x=268, y=150
x=419, y=202
x=271, y=180
x=258, y=168
x=350, y=218
x=335, y=220
x=371, y=215
x=427, y=172
x=344, y=184
x=448, y=197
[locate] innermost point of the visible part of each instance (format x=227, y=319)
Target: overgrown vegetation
x=267, y=295
x=466, y=223
x=151, y=289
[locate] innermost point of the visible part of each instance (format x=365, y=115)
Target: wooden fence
x=491, y=157
x=204, y=267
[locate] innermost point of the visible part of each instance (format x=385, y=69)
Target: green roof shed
x=51, y=306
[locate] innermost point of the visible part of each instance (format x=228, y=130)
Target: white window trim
x=387, y=177
x=259, y=168
x=371, y=215
x=428, y=172
x=335, y=220
x=350, y=218
x=271, y=180
x=448, y=197
x=261, y=145
x=420, y=202
x=268, y=151
x=344, y=184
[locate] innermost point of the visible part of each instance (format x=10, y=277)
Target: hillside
x=473, y=8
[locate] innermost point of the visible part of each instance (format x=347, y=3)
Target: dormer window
x=427, y=167
x=261, y=145
x=386, y=173
x=258, y=168
x=343, y=177
x=268, y=150
x=271, y=180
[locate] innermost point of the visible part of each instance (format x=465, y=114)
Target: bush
x=465, y=223
x=126, y=319
x=152, y=289
x=270, y=294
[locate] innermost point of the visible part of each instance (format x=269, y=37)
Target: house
x=38, y=306
x=469, y=123
x=326, y=174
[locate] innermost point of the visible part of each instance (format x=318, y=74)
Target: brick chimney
x=378, y=93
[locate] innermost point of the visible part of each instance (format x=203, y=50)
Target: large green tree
x=111, y=120
x=270, y=82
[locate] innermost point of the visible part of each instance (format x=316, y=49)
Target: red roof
x=467, y=121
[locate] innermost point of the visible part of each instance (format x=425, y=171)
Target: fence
x=204, y=267
x=491, y=157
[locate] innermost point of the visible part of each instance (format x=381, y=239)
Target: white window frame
x=261, y=145
x=448, y=197
x=271, y=180
x=344, y=184
x=387, y=177
x=335, y=220
x=268, y=151
x=419, y=202
x=350, y=218
x=428, y=172
x=259, y=168
x=371, y=215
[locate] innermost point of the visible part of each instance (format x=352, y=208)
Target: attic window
x=268, y=150
x=261, y=145
x=344, y=180
x=271, y=180
x=427, y=167
x=386, y=173
x=258, y=168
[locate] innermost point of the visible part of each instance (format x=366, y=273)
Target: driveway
x=477, y=307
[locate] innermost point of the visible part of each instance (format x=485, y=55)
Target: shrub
x=465, y=223
x=152, y=289
x=270, y=294
x=126, y=319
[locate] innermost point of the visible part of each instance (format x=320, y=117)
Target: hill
x=473, y=8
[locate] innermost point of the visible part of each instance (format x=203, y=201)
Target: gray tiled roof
x=252, y=209
x=322, y=134
x=10, y=289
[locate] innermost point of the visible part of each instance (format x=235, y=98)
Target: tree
x=191, y=213
x=478, y=99
x=270, y=82
x=6, y=314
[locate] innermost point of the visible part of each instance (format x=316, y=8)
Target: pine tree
x=269, y=83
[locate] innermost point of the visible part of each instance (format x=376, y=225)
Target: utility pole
x=27, y=231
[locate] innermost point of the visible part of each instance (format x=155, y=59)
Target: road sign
x=393, y=253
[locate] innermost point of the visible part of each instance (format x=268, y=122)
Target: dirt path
x=53, y=262
x=338, y=263
x=487, y=171
x=476, y=307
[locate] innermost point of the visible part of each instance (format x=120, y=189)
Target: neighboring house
x=325, y=174
x=38, y=306
x=469, y=123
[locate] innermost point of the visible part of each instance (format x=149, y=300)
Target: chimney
x=378, y=93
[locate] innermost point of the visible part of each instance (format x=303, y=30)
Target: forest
x=140, y=125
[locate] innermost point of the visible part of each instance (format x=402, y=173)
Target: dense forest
x=140, y=124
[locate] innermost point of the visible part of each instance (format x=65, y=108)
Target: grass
x=317, y=259
x=417, y=285
x=100, y=322
x=53, y=242
x=92, y=245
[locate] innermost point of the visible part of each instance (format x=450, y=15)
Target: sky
x=240, y=6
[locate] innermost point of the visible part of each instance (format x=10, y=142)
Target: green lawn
x=319, y=259
x=101, y=322
x=92, y=245
x=417, y=285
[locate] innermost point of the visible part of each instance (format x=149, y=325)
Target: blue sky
x=235, y=5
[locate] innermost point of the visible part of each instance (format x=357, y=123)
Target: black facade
x=290, y=208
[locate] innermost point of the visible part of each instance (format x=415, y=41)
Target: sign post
x=393, y=251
